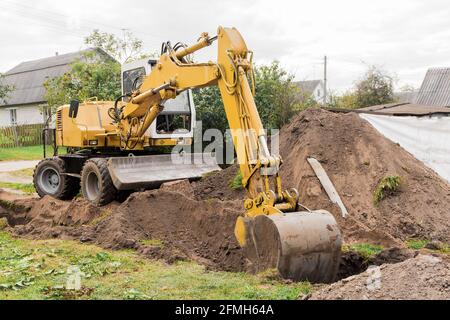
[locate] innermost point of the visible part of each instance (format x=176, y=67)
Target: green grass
x=26, y=153
x=236, y=182
x=367, y=250
x=419, y=244
x=416, y=244
x=37, y=269
x=386, y=186
x=27, y=188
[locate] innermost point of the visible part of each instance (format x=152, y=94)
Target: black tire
x=96, y=183
x=49, y=178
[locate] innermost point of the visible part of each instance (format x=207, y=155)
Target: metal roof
x=28, y=77
x=307, y=86
x=435, y=89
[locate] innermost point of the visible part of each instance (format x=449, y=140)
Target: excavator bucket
x=301, y=245
x=146, y=172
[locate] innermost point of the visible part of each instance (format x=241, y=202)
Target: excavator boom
x=273, y=233
x=113, y=146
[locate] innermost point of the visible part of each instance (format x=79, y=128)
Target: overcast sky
x=405, y=37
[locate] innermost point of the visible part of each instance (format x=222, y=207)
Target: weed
x=416, y=244
x=387, y=185
x=366, y=250
x=236, y=182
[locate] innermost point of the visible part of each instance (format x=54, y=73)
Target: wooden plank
x=327, y=185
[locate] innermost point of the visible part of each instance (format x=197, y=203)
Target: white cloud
x=405, y=37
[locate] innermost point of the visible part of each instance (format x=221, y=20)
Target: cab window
x=132, y=79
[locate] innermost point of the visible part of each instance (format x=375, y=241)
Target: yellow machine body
x=272, y=230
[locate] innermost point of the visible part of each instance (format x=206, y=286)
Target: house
x=312, y=88
x=26, y=104
x=435, y=89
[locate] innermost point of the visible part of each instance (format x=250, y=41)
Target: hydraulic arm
x=272, y=231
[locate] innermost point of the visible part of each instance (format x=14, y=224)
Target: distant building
x=435, y=89
x=312, y=88
x=26, y=104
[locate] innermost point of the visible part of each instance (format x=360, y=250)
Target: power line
x=57, y=20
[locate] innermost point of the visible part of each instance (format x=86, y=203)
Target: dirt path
x=8, y=166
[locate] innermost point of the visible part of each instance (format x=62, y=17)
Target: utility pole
x=325, y=81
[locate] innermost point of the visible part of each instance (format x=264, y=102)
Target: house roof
x=435, y=89
x=308, y=86
x=405, y=109
x=28, y=77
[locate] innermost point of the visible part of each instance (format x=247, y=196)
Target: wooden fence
x=21, y=135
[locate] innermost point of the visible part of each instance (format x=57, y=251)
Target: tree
x=277, y=99
x=376, y=87
x=348, y=100
x=88, y=77
x=127, y=49
x=5, y=90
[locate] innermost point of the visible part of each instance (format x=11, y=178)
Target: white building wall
x=318, y=92
x=30, y=114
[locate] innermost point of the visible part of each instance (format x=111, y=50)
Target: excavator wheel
x=49, y=178
x=301, y=245
x=96, y=183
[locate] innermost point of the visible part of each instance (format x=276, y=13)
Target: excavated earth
x=422, y=277
x=195, y=221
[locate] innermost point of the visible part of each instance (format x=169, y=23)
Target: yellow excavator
x=111, y=148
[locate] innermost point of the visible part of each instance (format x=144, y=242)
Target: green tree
x=277, y=99
x=125, y=49
x=376, y=87
x=348, y=100
x=88, y=77
x=5, y=90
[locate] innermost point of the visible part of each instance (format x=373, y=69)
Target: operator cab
x=177, y=120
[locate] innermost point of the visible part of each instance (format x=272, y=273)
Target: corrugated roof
x=435, y=89
x=307, y=86
x=28, y=77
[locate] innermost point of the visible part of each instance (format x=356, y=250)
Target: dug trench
x=195, y=221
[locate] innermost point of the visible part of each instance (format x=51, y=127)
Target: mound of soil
x=422, y=277
x=356, y=157
x=169, y=225
x=166, y=224
x=217, y=185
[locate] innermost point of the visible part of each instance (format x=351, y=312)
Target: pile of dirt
x=172, y=226
x=422, y=277
x=356, y=157
x=217, y=185
x=166, y=224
